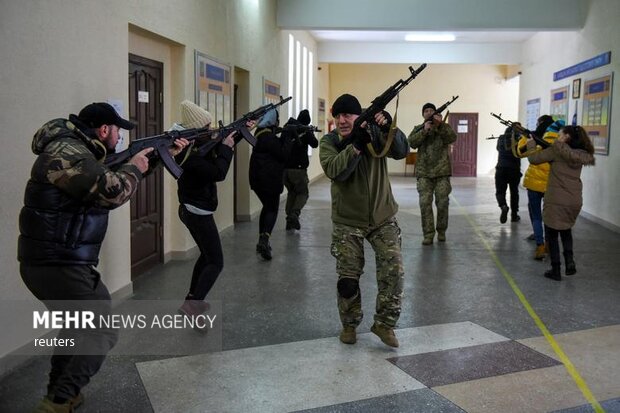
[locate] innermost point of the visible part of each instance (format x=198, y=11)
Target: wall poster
x=271, y=92
x=533, y=113
x=213, y=87
x=596, y=112
x=558, y=107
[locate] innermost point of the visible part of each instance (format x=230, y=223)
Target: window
x=300, y=77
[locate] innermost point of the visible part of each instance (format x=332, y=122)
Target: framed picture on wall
x=213, y=87
x=559, y=103
x=596, y=112
x=577, y=88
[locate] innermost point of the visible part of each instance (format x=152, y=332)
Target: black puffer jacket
x=68, y=197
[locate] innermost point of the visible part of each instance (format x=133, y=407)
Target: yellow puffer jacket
x=536, y=176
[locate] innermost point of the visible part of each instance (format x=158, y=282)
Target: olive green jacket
x=361, y=192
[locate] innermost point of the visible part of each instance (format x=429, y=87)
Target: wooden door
x=464, y=152
x=146, y=111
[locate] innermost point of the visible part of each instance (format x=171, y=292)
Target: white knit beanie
x=193, y=116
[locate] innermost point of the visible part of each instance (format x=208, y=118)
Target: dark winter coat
x=267, y=162
x=200, y=173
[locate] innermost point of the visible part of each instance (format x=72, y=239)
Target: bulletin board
x=213, y=87
x=558, y=108
x=596, y=113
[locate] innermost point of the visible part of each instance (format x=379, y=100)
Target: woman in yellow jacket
x=535, y=179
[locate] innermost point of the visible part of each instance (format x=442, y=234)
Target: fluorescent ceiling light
x=430, y=37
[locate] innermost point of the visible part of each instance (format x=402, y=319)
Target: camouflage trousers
x=348, y=249
x=440, y=188
x=296, y=182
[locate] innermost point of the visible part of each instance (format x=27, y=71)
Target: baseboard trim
x=601, y=222
x=182, y=255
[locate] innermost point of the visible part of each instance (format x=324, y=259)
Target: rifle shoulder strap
x=389, y=140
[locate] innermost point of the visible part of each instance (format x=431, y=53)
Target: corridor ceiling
x=373, y=31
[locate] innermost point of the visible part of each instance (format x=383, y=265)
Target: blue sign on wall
x=597, y=61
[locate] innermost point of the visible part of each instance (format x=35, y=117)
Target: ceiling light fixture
x=430, y=37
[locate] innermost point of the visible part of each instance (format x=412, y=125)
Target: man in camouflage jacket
x=433, y=171
x=62, y=225
x=363, y=207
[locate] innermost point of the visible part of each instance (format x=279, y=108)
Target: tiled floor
x=469, y=339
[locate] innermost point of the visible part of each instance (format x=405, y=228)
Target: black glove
x=360, y=138
x=386, y=128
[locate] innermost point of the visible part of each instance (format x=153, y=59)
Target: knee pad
x=347, y=287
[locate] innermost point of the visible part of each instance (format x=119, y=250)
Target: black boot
x=515, y=217
x=503, y=217
x=263, y=248
x=554, y=273
x=570, y=264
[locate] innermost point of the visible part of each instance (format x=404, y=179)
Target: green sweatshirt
x=361, y=191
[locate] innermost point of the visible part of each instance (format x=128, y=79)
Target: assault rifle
x=377, y=105
x=163, y=142
x=518, y=128
x=240, y=126
x=436, y=112
x=297, y=130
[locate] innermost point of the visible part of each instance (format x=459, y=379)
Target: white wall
x=547, y=53
x=59, y=56
x=481, y=89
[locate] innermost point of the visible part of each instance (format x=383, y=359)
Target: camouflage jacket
x=433, y=159
x=361, y=191
x=68, y=196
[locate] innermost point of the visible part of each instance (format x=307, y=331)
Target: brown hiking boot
x=427, y=241
x=541, y=252
x=441, y=236
x=386, y=334
x=48, y=406
x=347, y=335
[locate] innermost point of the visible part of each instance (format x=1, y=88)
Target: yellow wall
x=481, y=89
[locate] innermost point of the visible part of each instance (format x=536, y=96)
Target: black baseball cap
x=101, y=113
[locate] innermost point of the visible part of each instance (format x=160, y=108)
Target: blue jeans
x=534, y=206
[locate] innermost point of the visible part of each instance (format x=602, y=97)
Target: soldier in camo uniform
x=363, y=207
x=62, y=225
x=433, y=170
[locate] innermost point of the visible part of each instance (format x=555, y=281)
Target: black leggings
x=551, y=235
x=211, y=260
x=269, y=212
